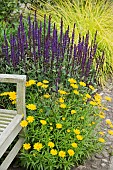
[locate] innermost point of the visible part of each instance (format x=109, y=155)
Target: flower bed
x=61, y=129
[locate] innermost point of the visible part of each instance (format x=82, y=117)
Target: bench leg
x=12, y=154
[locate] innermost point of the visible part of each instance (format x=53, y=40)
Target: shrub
x=88, y=15
x=61, y=129
x=43, y=52
x=7, y=7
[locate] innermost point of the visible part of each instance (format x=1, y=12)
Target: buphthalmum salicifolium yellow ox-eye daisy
x=60, y=128
x=63, y=125
x=11, y=95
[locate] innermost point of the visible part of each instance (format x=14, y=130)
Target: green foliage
x=66, y=119
x=61, y=129
x=9, y=17
x=88, y=15
x=7, y=7
x=8, y=27
x=49, y=110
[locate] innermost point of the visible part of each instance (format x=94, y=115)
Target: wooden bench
x=10, y=120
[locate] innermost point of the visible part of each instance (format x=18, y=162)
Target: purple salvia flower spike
x=52, y=46
x=39, y=39
x=34, y=46
x=44, y=32
x=44, y=26
x=29, y=30
x=19, y=42
x=49, y=26
x=12, y=51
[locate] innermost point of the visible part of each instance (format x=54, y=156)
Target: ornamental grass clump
x=62, y=129
x=44, y=52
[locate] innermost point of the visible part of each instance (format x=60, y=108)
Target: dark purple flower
x=61, y=31
x=34, y=44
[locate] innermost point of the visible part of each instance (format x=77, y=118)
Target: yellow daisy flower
x=79, y=137
x=23, y=123
x=91, y=87
x=53, y=152
x=110, y=132
x=58, y=125
x=76, y=92
x=75, y=86
x=51, y=144
x=30, y=119
x=4, y=94
x=101, y=140
x=71, y=80
x=74, y=145
x=26, y=146
x=77, y=131
x=43, y=122
x=63, y=106
x=68, y=130
x=108, y=122
x=62, y=92
x=31, y=106
x=73, y=112
x=88, y=96
x=63, y=118
x=101, y=133
x=12, y=95
x=71, y=152
x=38, y=146
x=39, y=84
x=61, y=100
x=30, y=82
x=44, y=86
x=82, y=83
x=93, y=103
x=108, y=98
x=62, y=154
x=47, y=96
x=45, y=81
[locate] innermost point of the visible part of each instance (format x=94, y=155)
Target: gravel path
x=103, y=161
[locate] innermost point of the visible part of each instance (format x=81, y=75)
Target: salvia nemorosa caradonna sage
x=52, y=50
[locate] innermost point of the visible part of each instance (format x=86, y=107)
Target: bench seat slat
x=2, y=129
x=3, y=126
x=6, y=119
x=4, y=122
x=9, y=133
x=8, y=116
x=10, y=119
x=10, y=128
x=9, y=112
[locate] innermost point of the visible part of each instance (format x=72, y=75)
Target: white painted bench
x=10, y=120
